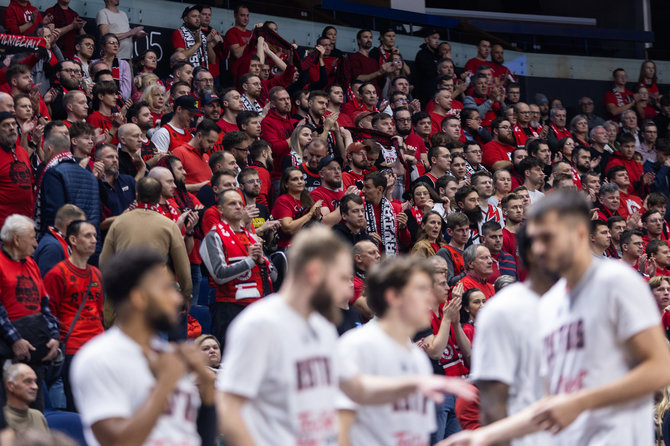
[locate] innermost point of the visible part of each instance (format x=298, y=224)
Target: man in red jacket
x=498, y=153
x=624, y=157
x=21, y=17
x=277, y=126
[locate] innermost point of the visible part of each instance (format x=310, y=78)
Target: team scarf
x=247, y=105
x=387, y=225
x=560, y=134
x=417, y=214
x=181, y=196
x=12, y=43
x=199, y=58
x=171, y=213
x=56, y=160
x=272, y=38
x=358, y=134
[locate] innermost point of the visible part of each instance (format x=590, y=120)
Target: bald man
x=6, y=103
x=130, y=153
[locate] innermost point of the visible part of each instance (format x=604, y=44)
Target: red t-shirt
x=629, y=204
x=361, y=64
x=67, y=285
x=21, y=287
x=452, y=358
x=63, y=17
x=197, y=169
x=353, y=179
x=16, y=15
x=467, y=412
x=496, y=151
x=16, y=184
x=435, y=123
x=210, y=218
x=618, y=98
x=331, y=198
x=235, y=36
x=287, y=206
x=99, y=121
x=227, y=126
x=474, y=63
x=470, y=281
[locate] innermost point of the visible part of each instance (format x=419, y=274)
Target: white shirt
x=118, y=24
x=161, y=138
x=535, y=195
x=584, y=331
x=111, y=379
x=507, y=349
x=370, y=351
x=285, y=365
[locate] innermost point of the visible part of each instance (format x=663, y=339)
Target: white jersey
x=369, y=350
x=508, y=349
x=111, y=379
x=584, y=331
x=285, y=365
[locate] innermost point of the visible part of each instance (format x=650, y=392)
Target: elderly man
x=479, y=266
x=130, y=151
x=23, y=295
x=21, y=386
x=16, y=192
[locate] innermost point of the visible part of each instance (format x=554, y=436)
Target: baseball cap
x=540, y=99
x=356, y=147
x=327, y=160
x=359, y=117
x=187, y=102
x=208, y=98
x=188, y=9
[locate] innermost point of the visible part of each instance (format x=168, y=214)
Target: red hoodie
x=276, y=130
x=633, y=168
x=17, y=15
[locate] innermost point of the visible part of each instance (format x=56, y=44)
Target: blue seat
x=201, y=314
x=68, y=423
x=203, y=295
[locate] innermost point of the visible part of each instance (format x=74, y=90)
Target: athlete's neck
x=393, y=325
x=297, y=297
x=580, y=264
x=78, y=260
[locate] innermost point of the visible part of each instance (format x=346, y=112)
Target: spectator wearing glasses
x=471, y=124
x=497, y=153
x=120, y=68
x=68, y=77
x=648, y=144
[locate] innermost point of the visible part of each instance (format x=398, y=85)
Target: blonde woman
x=301, y=136
x=141, y=82
x=154, y=95
x=662, y=419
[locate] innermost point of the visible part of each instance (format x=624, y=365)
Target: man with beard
x=16, y=194
x=211, y=106
x=581, y=163
x=312, y=154
x=203, y=82
x=130, y=151
x=363, y=67
x=192, y=155
x=117, y=190
x=276, y=388
x=232, y=105
x=235, y=261
x=352, y=227
x=250, y=185
x=260, y=153
x=190, y=40
x=357, y=160
x=497, y=153
x=237, y=143
x=467, y=200
x=140, y=114
x=595, y=391
x=251, y=91
x=66, y=80
x=20, y=81
x=330, y=191
x=315, y=115
x=501, y=73
x=277, y=127
x=485, y=99
x=130, y=385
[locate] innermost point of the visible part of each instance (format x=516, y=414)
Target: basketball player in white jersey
x=604, y=352
x=280, y=373
x=129, y=387
x=399, y=292
x=507, y=353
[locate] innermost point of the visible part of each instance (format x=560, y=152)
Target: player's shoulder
x=109, y=348
x=507, y=303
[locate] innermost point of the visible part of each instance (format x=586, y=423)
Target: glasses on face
x=525, y=112
x=655, y=220
x=114, y=43
x=256, y=181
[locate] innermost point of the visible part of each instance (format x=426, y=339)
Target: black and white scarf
x=248, y=105
x=199, y=58
x=387, y=225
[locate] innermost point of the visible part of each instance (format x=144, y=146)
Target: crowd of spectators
x=248, y=141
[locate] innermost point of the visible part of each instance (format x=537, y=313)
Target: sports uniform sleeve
x=161, y=140
x=247, y=357
x=630, y=316
x=494, y=356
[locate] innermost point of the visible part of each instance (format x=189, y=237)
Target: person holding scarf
x=423, y=200
x=386, y=223
x=190, y=40
x=119, y=67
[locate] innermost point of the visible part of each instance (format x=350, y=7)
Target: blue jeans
x=196, y=278
x=447, y=424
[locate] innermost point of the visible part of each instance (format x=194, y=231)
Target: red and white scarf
x=172, y=214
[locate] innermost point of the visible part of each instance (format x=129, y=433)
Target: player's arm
x=229, y=409
x=493, y=397
x=649, y=350
x=361, y=304
x=373, y=390
x=346, y=419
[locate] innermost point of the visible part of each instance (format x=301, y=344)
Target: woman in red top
x=295, y=207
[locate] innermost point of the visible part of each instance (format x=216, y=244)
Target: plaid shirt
x=9, y=332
